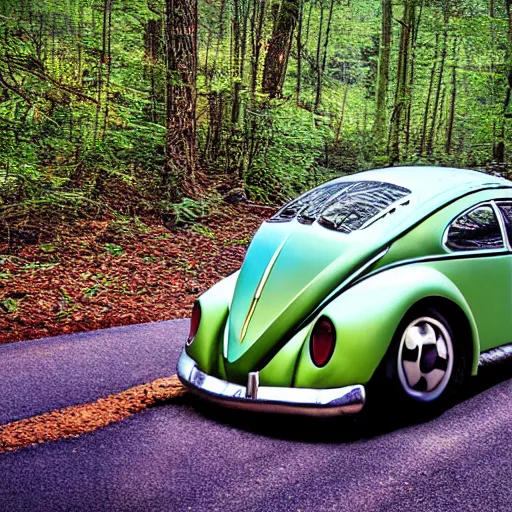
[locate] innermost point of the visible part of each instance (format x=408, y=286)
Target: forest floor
x=97, y=274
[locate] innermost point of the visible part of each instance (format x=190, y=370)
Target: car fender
x=206, y=348
x=366, y=317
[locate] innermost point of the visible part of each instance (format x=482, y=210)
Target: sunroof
x=342, y=206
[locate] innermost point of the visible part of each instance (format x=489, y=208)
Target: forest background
x=120, y=117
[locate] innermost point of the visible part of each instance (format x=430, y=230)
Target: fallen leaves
x=99, y=274
x=79, y=419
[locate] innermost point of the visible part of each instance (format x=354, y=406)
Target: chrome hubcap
x=425, y=359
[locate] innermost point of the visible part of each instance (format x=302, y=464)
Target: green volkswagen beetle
x=394, y=279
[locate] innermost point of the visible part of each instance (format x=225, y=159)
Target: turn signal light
x=322, y=342
x=194, y=322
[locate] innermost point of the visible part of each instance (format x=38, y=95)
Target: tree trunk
x=339, y=124
x=321, y=71
x=108, y=62
x=276, y=59
x=257, y=31
x=317, y=59
x=429, y=98
x=431, y=136
x=451, y=117
x=299, y=52
x=152, y=50
x=415, y=31
x=402, y=82
x=101, y=64
x=500, y=148
x=181, y=145
x=492, y=32
x=383, y=73
x=235, y=107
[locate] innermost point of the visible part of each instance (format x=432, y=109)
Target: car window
x=342, y=206
x=477, y=229
x=506, y=211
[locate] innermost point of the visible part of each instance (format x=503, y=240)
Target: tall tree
x=383, y=72
x=299, y=51
x=279, y=46
x=181, y=144
x=440, y=77
x=423, y=136
x=451, y=117
x=500, y=149
x=321, y=64
x=402, y=98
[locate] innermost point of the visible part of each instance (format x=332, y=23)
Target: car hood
x=287, y=272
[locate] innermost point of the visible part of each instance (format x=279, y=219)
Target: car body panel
x=207, y=346
x=366, y=317
x=290, y=267
x=425, y=241
x=365, y=282
x=305, y=268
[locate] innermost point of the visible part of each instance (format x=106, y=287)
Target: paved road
x=183, y=456
x=41, y=375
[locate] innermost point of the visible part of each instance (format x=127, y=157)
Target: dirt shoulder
x=98, y=274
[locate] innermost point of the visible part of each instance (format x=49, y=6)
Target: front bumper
x=303, y=401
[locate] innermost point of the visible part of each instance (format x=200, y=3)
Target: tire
x=425, y=368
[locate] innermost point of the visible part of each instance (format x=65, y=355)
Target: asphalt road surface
x=185, y=456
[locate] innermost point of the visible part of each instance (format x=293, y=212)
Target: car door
x=479, y=263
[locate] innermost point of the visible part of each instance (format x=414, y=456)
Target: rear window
x=344, y=206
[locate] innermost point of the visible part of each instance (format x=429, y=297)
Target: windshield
x=343, y=206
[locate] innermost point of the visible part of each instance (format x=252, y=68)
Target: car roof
x=429, y=182
x=431, y=188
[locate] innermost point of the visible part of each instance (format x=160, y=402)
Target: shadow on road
x=380, y=421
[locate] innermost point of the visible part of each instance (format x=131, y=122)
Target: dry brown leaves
x=79, y=419
x=98, y=274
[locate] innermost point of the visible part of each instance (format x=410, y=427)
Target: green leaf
x=48, y=247
x=9, y=305
x=114, y=249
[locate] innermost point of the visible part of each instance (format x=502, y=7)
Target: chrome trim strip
x=438, y=257
x=303, y=401
x=259, y=289
x=501, y=222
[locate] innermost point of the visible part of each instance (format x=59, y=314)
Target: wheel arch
x=367, y=316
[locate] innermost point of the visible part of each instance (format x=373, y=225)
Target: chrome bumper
x=303, y=401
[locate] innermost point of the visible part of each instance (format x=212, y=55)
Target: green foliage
x=203, y=230
x=9, y=305
x=83, y=127
x=188, y=211
x=292, y=148
x=114, y=249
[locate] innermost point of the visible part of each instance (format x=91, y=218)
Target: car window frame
x=504, y=237
x=508, y=202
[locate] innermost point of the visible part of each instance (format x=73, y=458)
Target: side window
x=477, y=229
x=506, y=211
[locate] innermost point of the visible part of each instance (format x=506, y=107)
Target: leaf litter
x=105, y=273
